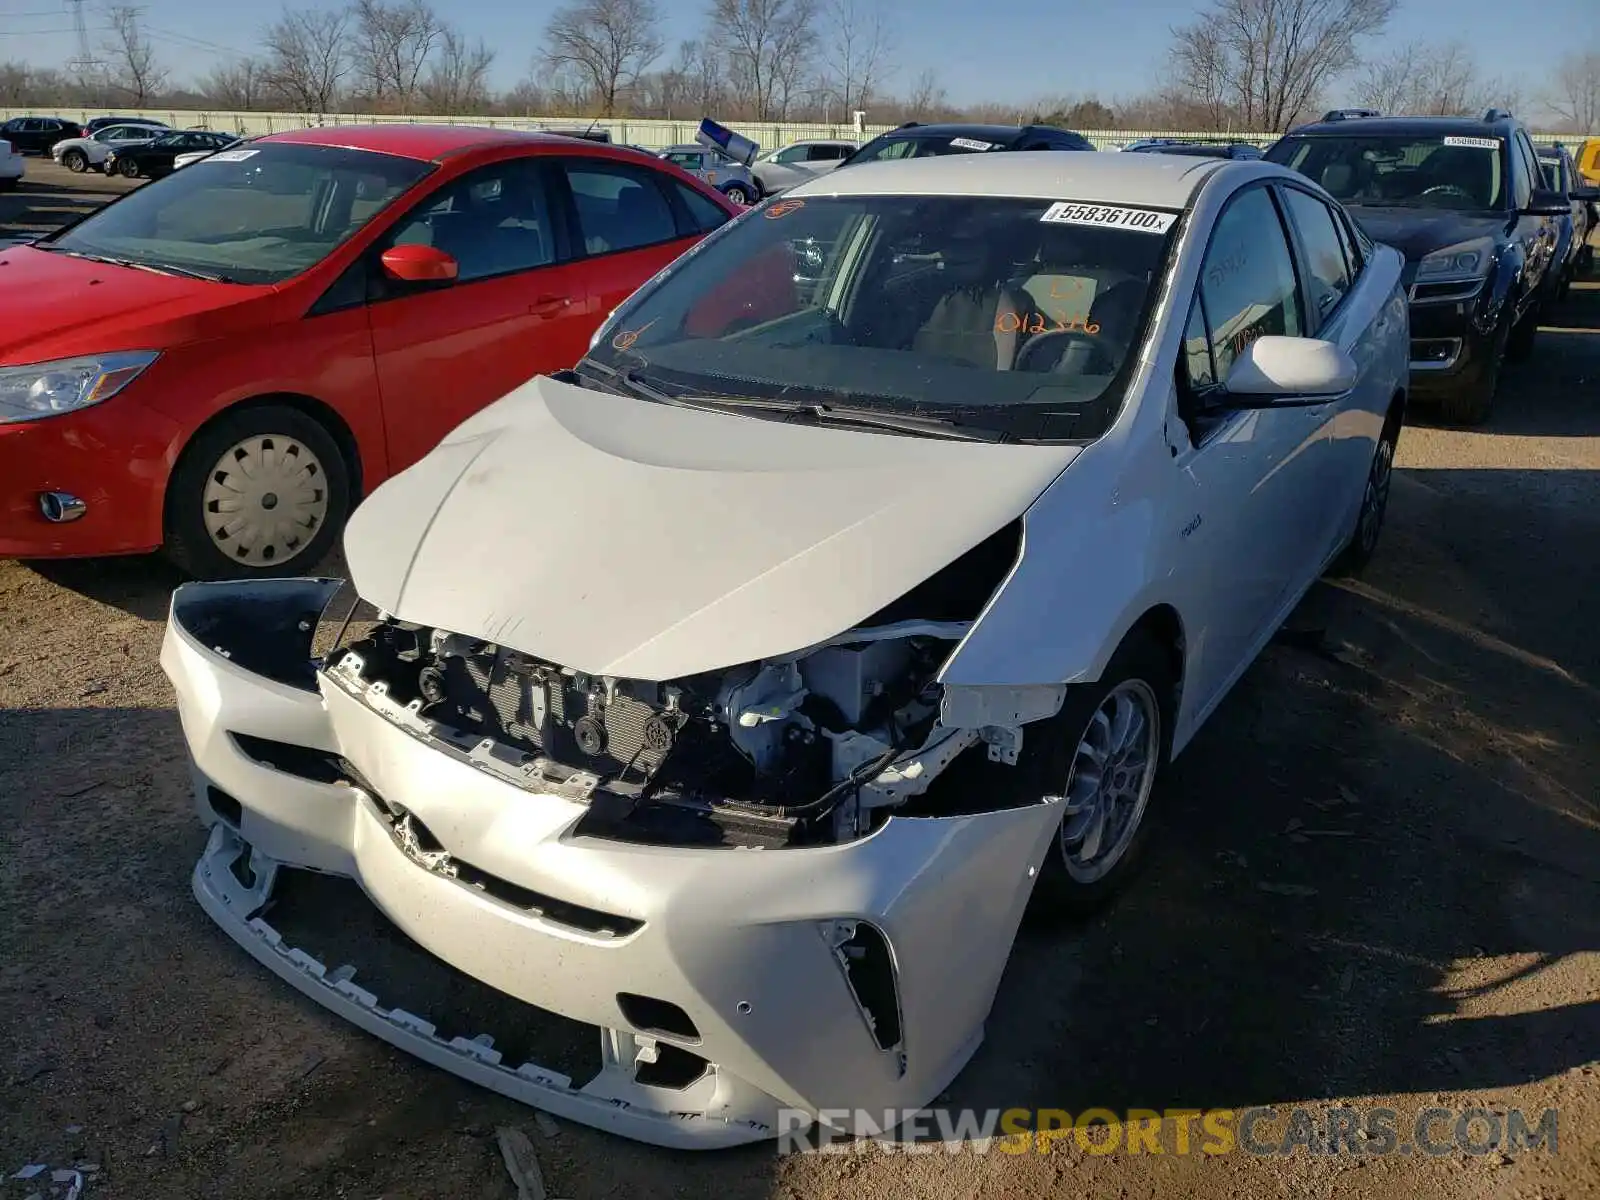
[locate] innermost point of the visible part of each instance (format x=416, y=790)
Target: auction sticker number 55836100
x=1108, y=216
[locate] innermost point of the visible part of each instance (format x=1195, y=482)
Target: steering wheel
x=1063, y=339
x=1440, y=189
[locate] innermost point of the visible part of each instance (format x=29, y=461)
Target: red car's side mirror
x=419, y=264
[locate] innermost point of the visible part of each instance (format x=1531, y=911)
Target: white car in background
x=794, y=164
x=12, y=168
x=910, y=574
x=79, y=154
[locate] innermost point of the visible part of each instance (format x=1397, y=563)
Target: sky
x=1008, y=52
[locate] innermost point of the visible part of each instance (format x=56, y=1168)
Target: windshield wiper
x=135, y=264
x=870, y=418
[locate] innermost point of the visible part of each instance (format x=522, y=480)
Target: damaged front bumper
x=848, y=976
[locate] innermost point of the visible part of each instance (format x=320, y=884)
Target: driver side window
x=1248, y=288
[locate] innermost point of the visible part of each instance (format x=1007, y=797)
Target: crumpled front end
x=790, y=885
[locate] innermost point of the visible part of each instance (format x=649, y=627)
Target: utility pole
x=85, y=62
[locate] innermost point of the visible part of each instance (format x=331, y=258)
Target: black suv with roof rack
x=1465, y=201
x=913, y=140
x=1195, y=147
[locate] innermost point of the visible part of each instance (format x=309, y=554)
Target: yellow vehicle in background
x=1588, y=161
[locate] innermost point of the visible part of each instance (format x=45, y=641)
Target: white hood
x=622, y=537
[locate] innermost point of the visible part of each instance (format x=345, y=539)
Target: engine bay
x=766, y=754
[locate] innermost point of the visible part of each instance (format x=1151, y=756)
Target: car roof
x=1163, y=180
x=426, y=142
x=1403, y=126
x=993, y=133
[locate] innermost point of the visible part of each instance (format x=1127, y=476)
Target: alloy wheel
x=1109, y=783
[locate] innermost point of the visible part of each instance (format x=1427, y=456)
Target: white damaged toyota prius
x=736, y=692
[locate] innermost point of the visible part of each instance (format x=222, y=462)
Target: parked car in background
x=81, y=153
x=1574, y=253
x=1194, y=147
x=99, y=123
x=783, y=168
x=729, y=176
x=156, y=157
x=891, y=608
x=1465, y=201
x=194, y=156
x=12, y=168
x=286, y=324
x=914, y=140
x=35, y=135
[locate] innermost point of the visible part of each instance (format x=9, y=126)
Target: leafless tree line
x=1254, y=66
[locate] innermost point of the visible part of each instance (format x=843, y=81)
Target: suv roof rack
x=1497, y=114
x=908, y=124
x=1348, y=114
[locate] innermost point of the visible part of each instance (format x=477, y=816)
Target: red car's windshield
x=252, y=214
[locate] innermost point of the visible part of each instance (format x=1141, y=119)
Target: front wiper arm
x=135, y=264
x=877, y=418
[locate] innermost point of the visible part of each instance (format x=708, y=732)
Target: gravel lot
x=1376, y=881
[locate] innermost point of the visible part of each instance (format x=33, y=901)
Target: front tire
x=1474, y=400
x=260, y=492
x=1104, y=753
x=1363, y=542
x=75, y=161
x=737, y=193
x=1519, y=347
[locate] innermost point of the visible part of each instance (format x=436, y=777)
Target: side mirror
x=1545, y=203
x=1288, y=370
x=1585, y=193
x=419, y=264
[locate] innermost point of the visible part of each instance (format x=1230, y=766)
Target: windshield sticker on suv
x=1064, y=212
x=971, y=144
x=1475, y=142
x=230, y=156
x=776, y=212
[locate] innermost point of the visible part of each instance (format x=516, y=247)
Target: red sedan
x=219, y=364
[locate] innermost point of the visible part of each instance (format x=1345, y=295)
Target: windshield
x=257, y=215
x=1014, y=315
x=1433, y=171
x=921, y=146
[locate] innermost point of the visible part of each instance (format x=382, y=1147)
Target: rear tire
x=127, y=168
x=737, y=193
x=259, y=492
x=75, y=161
x=1083, y=755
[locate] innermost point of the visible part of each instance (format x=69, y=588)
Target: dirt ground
x=1375, y=881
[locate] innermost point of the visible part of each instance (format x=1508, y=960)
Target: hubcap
x=1109, y=785
x=1376, y=499
x=265, y=500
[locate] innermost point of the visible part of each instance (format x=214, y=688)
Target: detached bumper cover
x=742, y=942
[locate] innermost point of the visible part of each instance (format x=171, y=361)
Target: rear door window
x=619, y=206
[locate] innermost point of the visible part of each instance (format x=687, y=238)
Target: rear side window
x=1328, y=274
x=1248, y=280
x=704, y=213
x=619, y=206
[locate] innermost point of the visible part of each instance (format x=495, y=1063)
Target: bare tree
x=1427, y=80
x=238, y=85
x=607, y=44
x=857, y=51
x=703, y=80
x=392, y=46
x=132, y=60
x=1271, y=60
x=458, y=81
x=1575, y=96
x=307, y=58
x=769, y=43
x=927, y=97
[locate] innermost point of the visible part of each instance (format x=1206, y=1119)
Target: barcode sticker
x=1065, y=212
x=971, y=144
x=1475, y=142
x=230, y=156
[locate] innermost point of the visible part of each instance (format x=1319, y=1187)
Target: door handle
x=546, y=306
